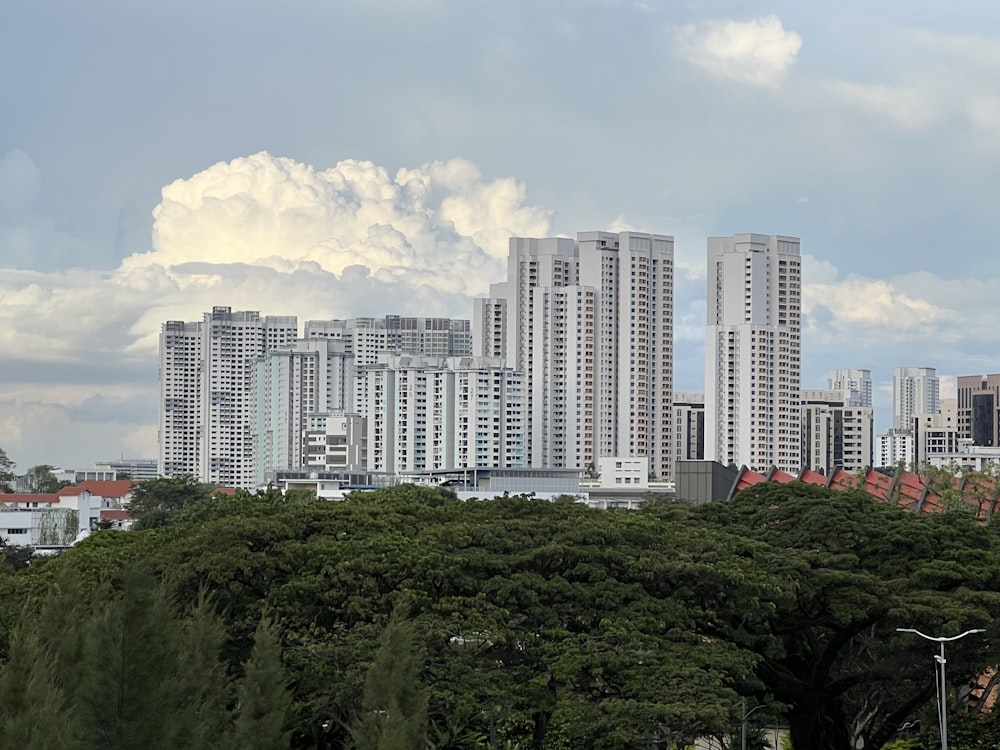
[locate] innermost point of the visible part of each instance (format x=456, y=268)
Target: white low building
x=58, y=520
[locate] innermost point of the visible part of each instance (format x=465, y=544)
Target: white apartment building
x=290, y=385
x=753, y=351
x=937, y=435
x=590, y=323
x=206, y=400
x=689, y=426
x=915, y=390
x=835, y=433
x=367, y=338
x=895, y=447
x=856, y=385
x=437, y=413
x=336, y=442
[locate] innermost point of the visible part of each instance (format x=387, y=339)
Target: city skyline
x=361, y=159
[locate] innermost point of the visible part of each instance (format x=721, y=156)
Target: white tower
x=915, y=390
x=752, y=352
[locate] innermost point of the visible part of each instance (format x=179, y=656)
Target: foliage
x=529, y=624
x=125, y=669
x=7, y=474
x=394, y=707
x=849, y=571
x=40, y=479
x=155, y=501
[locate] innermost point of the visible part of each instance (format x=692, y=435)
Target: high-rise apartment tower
x=752, y=352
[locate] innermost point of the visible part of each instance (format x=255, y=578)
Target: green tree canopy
x=7, y=475
x=849, y=571
x=155, y=501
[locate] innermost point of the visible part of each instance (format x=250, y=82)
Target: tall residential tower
x=752, y=352
x=590, y=323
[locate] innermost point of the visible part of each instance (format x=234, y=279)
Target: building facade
x=835, y=433
x=290, y=386
x=915, y=390
x=367, y=338
x=436, y=413
x=206, y=398
x=590, y=323
x=894, y=448
x=979, y=409
x=753, y=351
x=937, y=435
x=855, y=385
x=689, y=426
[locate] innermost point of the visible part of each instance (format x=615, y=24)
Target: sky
x=343, y=158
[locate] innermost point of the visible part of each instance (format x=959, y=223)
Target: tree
x=7, y=475
x=394, y=708
x=40, y=479
x=155, y=501
x=849, y=571
x=263, y=697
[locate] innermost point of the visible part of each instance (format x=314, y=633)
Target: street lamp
x=743, y=722
x=942, y=687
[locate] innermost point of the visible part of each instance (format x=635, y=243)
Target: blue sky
x=354, y=158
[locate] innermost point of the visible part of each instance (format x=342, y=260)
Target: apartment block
x=936, y=436
x=835, y=433
x=753, y=352
x=855, y=385
x=367, y=338
x=895, y=447
x=590, y=323
x=689, y=426
x=915, y=390
x=979, y=409
x=206, y=398
x=290, y=385
x=436, y=413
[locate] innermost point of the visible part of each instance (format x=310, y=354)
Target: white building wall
x=206, y=394
x=689, y=426
x=915, y=390
x=856, y=386
x=435, y=413
x=753, y=352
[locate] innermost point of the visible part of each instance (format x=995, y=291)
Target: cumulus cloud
x=758, y=52
x=260, y=233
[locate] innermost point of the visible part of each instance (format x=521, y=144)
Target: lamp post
x=942, y=685
x=743, y=723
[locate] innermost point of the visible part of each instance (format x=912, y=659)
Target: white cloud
x=259, y=233
x=758, y=52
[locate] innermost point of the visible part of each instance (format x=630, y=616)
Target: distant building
x=915, y=390
x=855, y=385
x=290, y=385
x=206, y=397
x=835, y=434
x=367, y=338
x=752, y=352
x=136, y=469
x=936, y=436
x=894, y=448
x=336, y=442
x=689, y=426
x=979, y=409
x=590, y=324
x=437, y=413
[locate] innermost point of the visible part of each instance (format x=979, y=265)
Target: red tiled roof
x=24, y=497
x=812, y=477
x=109, y=514
x=906, y=489
x=224, y=491
x=117, y=488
